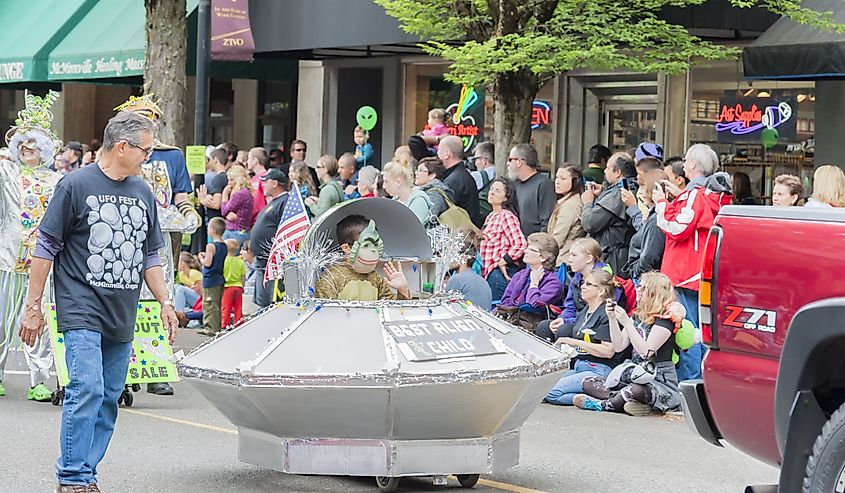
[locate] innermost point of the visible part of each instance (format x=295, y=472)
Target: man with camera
x=604, y=214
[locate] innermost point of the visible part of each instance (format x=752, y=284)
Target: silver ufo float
x=425, y=387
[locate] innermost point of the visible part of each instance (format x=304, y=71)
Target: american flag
x=293, y=225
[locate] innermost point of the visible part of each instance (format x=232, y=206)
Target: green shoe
x=2, y=390
x=39, y=393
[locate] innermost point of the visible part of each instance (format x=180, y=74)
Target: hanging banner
x=151, y=352
x=231, y=34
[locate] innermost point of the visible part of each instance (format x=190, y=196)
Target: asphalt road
x=182, y=444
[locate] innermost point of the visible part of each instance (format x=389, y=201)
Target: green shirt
x=234, y=271
x=593, y=174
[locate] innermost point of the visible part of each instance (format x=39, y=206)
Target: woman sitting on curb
x=589, y=336
x=648, y=381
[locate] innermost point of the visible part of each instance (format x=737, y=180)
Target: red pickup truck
x=773, y=317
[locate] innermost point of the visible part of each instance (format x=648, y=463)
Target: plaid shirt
x=502, y=235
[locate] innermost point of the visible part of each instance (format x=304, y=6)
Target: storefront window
x=764, y=130
x=628, y=128
x=276, y=113
x=221, y=105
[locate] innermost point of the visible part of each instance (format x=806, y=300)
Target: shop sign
x=465, y=117
x=541, y=114
x=96, y=68
x=231, y=33
x=11, y=71
x=744, y=119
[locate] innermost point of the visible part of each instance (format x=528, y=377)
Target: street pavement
x=182, y=444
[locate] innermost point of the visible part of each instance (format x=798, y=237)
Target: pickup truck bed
x=768, y=264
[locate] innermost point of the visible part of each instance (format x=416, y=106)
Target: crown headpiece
x=36, y=115
x=145, y=105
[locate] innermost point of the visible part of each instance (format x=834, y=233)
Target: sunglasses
x=147, y=151
x=512, y=159
x=301, y=149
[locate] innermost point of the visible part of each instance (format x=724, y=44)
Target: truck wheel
x=826, y=465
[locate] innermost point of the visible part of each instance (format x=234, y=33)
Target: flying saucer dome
x=402, y=232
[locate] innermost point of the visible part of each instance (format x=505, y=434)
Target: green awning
x=30, y=30
x=110, y=42
x=108, y=46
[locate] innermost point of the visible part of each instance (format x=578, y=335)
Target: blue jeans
x=239, y=235
x=498, y=283
x=570, y=384
x=97, y=368
x=184, y=298
x=689, y=368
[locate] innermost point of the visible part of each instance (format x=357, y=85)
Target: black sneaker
x=159, y=389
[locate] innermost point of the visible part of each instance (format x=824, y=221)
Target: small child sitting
x=437, y=128
x=536, y=286
x=467, y=281
x=234, y=272
x=356, y=278
x=363, y=149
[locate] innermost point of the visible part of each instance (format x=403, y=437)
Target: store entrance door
x=624, y=127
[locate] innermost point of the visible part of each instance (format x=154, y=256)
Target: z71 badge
x=743, y=317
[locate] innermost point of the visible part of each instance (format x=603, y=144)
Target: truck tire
x=826, y=465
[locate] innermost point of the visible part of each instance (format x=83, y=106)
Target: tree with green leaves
x=513, y=47
x=164, y=69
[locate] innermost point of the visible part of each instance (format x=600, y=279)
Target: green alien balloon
x=367, y=117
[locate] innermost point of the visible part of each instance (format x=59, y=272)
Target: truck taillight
x=705, y=289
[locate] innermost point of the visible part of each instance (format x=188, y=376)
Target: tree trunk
x=513, y=95
x=164, y=71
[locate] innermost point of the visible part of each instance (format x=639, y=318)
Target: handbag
x=455, y=218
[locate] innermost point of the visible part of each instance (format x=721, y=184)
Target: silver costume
x=24, y=195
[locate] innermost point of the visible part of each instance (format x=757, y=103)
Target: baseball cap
x=275, y=174
x=76, y=146
x=648, y=149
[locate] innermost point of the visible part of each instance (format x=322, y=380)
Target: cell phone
x=629, y=184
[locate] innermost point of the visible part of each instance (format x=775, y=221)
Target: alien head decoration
x=367, y=117
x=367, y=251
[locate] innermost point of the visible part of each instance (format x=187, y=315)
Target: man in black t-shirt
x=211, y=195
x=100, y=236
x=266, y=224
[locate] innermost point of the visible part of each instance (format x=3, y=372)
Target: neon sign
x=740, y=120
x=541, y=113
x=464, y=125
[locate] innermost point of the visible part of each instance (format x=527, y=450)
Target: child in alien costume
x=356, y=278
x=166, y=173
x=26, y=187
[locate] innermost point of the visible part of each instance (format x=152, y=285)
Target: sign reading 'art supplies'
x=150, y=358
x=435, y=339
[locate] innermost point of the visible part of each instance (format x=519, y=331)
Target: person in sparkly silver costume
x=26, y=187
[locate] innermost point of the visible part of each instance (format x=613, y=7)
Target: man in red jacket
x=686, y=222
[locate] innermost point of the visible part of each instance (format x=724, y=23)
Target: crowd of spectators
x=600, y=259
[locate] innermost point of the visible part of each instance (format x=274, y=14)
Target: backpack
x=484, y=207
x=454, y=217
